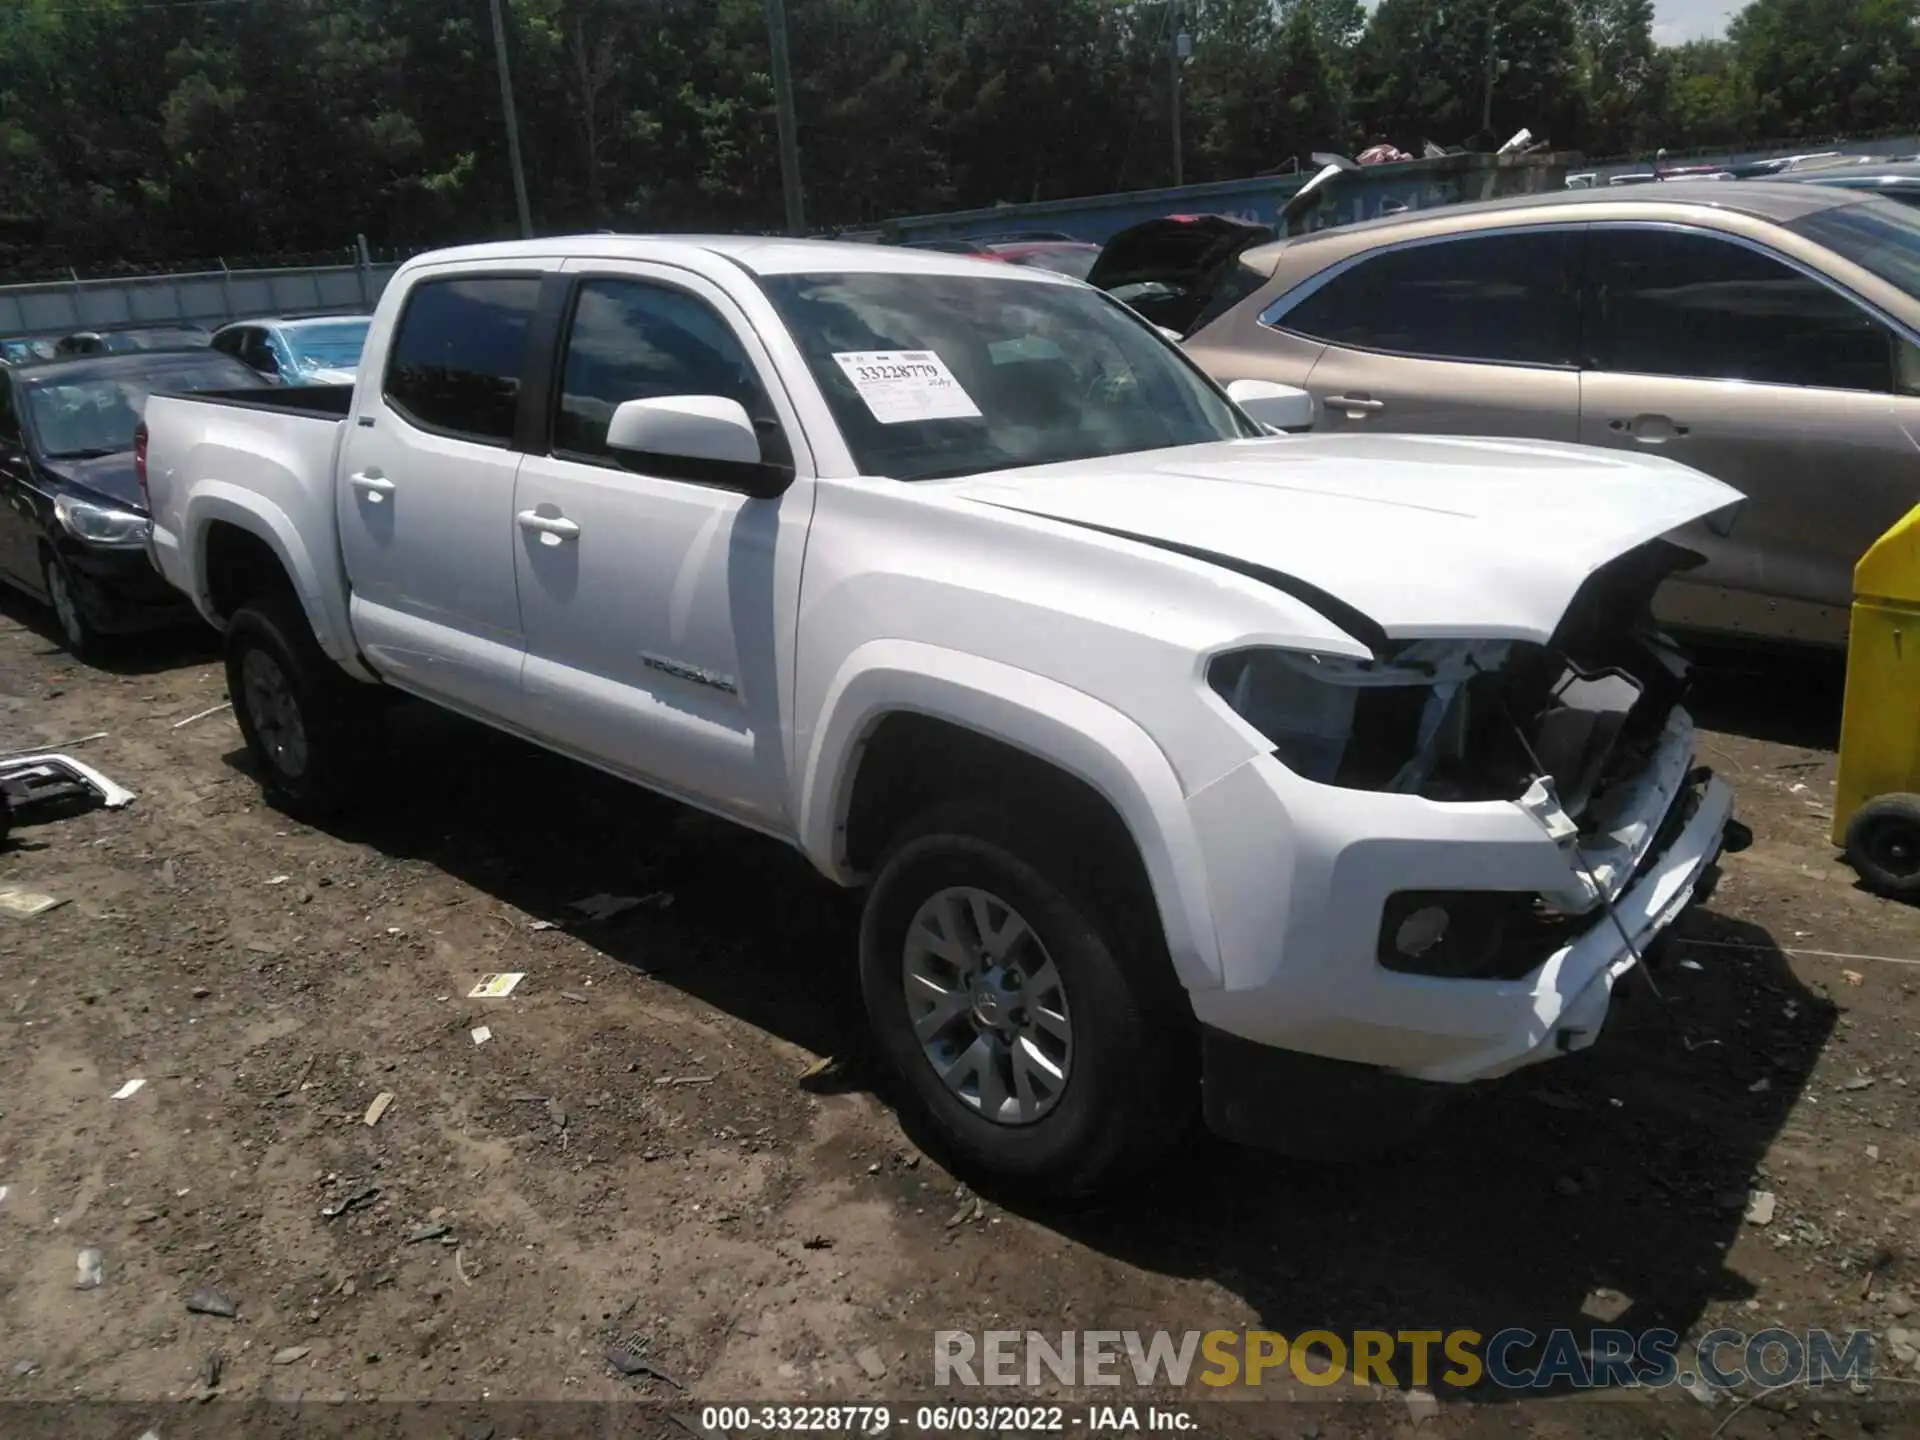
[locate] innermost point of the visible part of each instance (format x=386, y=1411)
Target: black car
x=73, y=520
x=139, y=337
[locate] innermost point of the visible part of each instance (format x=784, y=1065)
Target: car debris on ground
x=18, y=901
x=212, y=1302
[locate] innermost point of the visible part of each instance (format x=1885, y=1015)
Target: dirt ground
x=637, y=1160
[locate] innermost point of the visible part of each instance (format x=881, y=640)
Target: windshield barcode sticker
x=902, y=385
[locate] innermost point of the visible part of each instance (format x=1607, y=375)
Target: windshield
x=335, y=345
x=83, y=417
x=1877, y=235
x=938, y=375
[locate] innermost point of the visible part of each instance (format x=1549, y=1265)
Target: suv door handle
x=372, y=484
x=1648, y=429
x=1355, y=405
x=552, y=529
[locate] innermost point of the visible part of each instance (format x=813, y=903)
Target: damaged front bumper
x=1303, y=877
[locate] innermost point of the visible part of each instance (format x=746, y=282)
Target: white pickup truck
x=1185, y=765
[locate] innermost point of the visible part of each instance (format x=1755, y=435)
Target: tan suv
x=1764, y=333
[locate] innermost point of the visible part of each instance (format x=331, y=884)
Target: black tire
x=313, y=737
x=1131, y=1088
x=77, y=632
x=1883, y=845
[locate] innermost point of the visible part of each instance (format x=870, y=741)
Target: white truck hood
x=1424, y=535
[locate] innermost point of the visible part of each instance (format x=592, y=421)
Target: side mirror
x=707, y=439
x=1276, y=406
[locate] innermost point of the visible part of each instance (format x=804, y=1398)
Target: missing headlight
x=1419, y=723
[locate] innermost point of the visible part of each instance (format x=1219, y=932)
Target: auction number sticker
x=903, y=385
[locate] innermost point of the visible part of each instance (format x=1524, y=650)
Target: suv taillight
x=140, y=463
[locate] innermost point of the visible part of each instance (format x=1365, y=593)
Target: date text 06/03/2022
x=944, y=1419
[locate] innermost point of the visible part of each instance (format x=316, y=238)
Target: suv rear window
x=1675, y=302
x=458, y=352
x=1508, y=299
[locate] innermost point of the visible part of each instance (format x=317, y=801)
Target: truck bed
x=322, y=402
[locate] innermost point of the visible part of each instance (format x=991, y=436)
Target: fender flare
x=1055, y=723
x=218, y=502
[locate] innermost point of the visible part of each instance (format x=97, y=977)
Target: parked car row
x=308, y=350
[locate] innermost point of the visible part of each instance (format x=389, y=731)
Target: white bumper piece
x=1300, y=875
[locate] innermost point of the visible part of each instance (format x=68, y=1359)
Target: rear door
x=425, y=489
x=648, y=602
x=1467, y=335
x=1706, y=348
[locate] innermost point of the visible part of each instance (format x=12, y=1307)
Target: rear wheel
x=1042, y=1037
x=1883, y=845
x=310, y=728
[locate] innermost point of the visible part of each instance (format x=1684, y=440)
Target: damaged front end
x=1585, y=733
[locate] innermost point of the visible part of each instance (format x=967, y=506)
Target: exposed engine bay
x=1482, y=719
x=1585, y=733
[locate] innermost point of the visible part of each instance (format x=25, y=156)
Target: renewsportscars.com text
x=1512, y=1359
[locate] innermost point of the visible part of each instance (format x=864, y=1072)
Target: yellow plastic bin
x=1876, y=803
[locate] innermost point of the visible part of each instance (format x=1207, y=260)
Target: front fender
x=1053, y=722
x=322, y=594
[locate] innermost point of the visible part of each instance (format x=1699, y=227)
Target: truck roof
x=757, y=254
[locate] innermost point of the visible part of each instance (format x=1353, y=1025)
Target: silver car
x=1766, y=333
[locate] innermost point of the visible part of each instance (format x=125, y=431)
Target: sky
x=1676, y=21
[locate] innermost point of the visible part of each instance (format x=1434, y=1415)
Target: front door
x=1470, y=335
x=425, y=494
x=649, y=604
x=1710, y=351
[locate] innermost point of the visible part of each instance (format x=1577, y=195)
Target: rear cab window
x=454, y=367
x=1510, y=297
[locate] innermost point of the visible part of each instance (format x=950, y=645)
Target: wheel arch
x=232, y=531
x=887, y=683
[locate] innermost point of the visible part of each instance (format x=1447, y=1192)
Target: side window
x=1670, y=302
x=1508, y=299
x=457, y=353
x=633, y=340
x=9, y=422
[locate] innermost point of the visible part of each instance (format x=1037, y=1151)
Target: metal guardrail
x=205, y=297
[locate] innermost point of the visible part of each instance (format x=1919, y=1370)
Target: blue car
x=316, y=350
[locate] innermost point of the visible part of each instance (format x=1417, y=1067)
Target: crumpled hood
x=1424, y=535
x=110, y=476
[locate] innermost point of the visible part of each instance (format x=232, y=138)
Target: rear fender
x=320, y=587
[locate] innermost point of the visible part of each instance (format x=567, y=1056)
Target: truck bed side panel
x=265, y=468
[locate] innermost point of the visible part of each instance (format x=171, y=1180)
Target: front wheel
x=1042, y=1041
x=308, y=725
x=78, y=633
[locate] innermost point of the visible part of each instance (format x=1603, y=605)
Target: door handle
x=1648, y=429
x=372, y=484
x=552, y=529
x=1356, y=406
